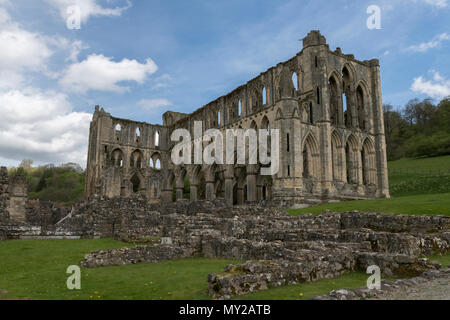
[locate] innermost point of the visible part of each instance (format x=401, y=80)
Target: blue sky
x=138, y=59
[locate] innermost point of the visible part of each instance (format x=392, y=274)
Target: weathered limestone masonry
x=327, y=106
x=278, y=249
x=400, y=289
x=13, y=196
x=4, y=182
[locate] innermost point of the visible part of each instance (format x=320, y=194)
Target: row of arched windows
x=156, y=134
x=136, y=159
x=347, y=104
x=258, y=99
x=351, y=164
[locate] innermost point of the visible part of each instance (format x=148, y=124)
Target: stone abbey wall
x=326, y=105
x=13, y=196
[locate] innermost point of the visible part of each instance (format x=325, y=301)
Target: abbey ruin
x=328, y=109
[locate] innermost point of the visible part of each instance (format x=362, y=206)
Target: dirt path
x=434, y=289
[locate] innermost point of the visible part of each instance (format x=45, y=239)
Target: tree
x=26, y=163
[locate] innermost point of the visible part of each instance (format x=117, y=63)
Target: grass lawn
x=417, y=186
x=37, y=270
x=419, y=176
x=433, y=165
x=417, y=204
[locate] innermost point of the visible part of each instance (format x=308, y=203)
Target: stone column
x=326, y=176
x=251, y=183
x=166, y=196
x=259, y=192
x=380, y=141
x=353, y=111
x=229, y=177
x=240, y=195
x=210, y=194
x=180, y=188
x=193, y=191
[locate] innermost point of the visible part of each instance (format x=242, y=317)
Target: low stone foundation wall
x=251, y=276
x=133, y=255
x=313, y=246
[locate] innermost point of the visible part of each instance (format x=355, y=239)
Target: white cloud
x=42, y=126
x=75, y=48
x=437, y=3
x=98, y=72
x=437, y=88
x=436, y=41
x=161, y=82
x=21, y=51
x=154, y=105
x=88, y=8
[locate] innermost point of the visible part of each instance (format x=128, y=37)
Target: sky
x=140, y=58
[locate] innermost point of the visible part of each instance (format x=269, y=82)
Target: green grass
x=430, y=165
x=419, y=176
x=443, y=259
x=418, y=204
x=37, y=269
x=417, y=186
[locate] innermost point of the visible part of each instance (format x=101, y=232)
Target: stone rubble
x=389, y=289
x=277, y=248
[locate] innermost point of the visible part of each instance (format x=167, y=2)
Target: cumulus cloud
x=162, y=82
x=42, y=126
x=98, y=72
x=437, y=3
x=438, y=87
x=21, y=51
x=75, y=48
x=88, y=8
x=433, y=43
x=154, y=105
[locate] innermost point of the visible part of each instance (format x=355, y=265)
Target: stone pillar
x=166, y=196
x=251, y=183
x=210, y=194
x=352, y=103
x=240, y=195
x=326, y=154
x=380, y=141
x=180, y=188
x=229, y=177
x=259, y=192
x=193, y=191
x=18, y=196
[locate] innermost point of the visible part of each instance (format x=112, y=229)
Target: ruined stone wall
x=18, y=197
x=329, y=150
x=13, y=197
x=4, y=182
x=278, y=249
